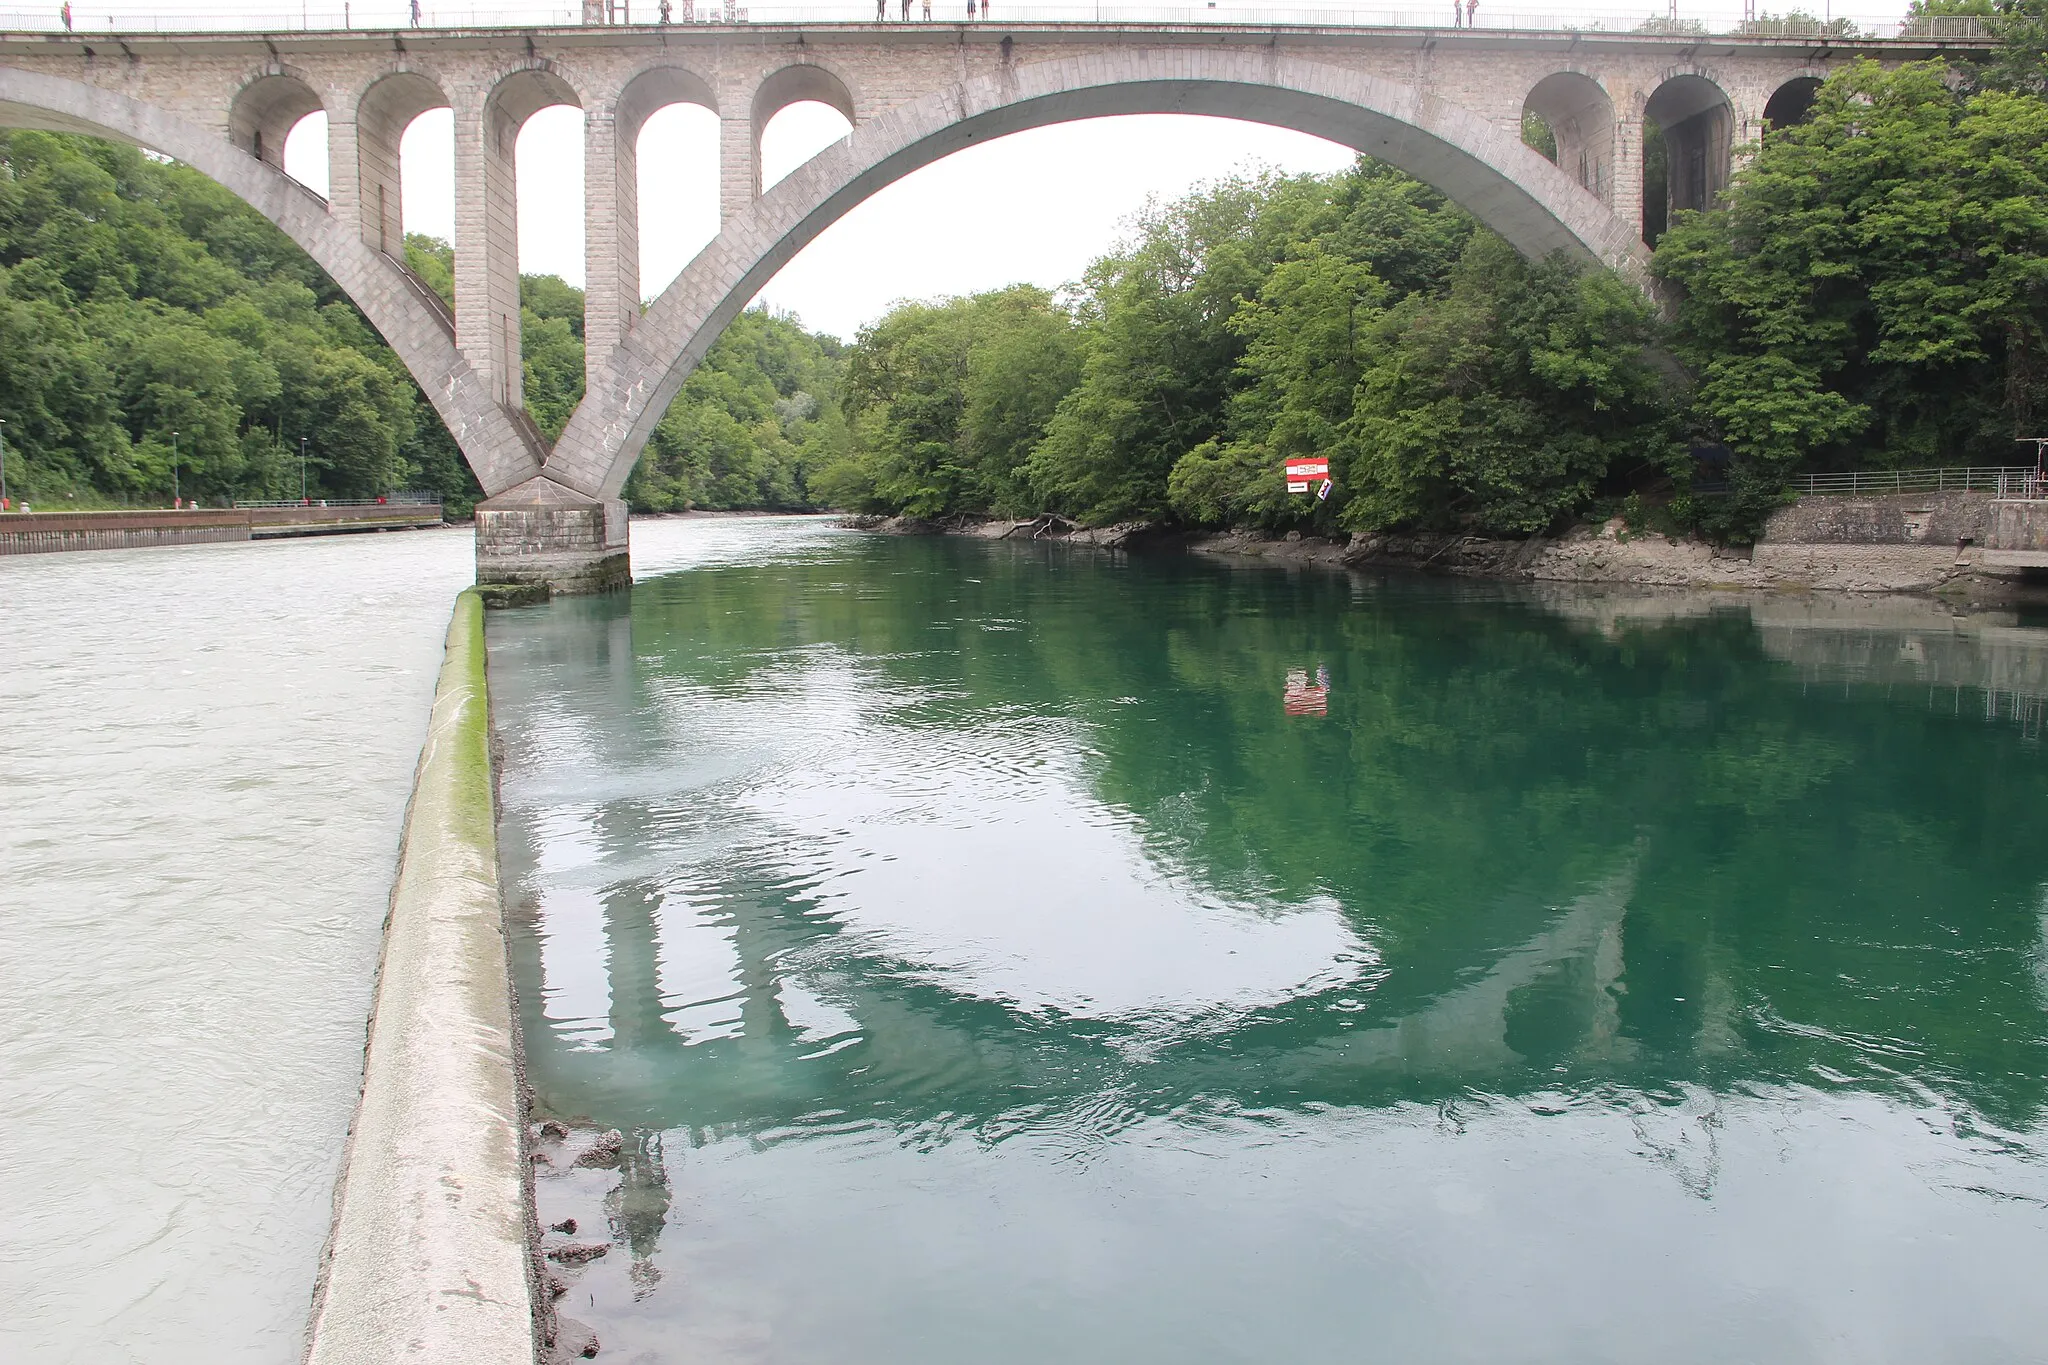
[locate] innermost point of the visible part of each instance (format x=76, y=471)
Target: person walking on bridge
x=906, y=11
x=927, y=11
x=66, y=12
x=881, y=11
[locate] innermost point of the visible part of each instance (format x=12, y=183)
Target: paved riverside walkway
x=203, y=773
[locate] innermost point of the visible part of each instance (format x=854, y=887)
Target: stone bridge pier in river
x=1445, y=105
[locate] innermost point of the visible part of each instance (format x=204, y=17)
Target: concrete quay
x=29, y=533
x=430, y=1257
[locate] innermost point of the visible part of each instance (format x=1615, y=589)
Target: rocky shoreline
x=1609, y=554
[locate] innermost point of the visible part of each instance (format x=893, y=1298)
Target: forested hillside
x=1358, y=318
x=1871, y=292
x=138, y=299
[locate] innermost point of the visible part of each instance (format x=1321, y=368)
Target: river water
x=207, y=755
x=1014, y=953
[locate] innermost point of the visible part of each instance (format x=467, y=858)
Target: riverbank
x=30, y=533
x=1850, y=546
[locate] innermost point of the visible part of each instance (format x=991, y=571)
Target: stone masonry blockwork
x=1444, y=104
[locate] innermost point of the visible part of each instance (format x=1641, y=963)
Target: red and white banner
x=1300, y=471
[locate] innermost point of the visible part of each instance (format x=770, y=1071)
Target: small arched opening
x=1688, y=149
x=666, y=131
x=798, y=112
x=1579, y=118
x=270, y=116
x=1792, y=102
x=532, y=224
x=399, y=146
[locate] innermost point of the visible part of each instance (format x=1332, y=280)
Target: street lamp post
x=3, y=461
x=302, y=469
x=176, y=498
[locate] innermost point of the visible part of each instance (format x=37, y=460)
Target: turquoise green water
x=984, y=964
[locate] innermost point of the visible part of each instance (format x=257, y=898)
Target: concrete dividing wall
x=2018, y=525
x=1930, y=519
x=316, y=520
x=35, y=533
x=428, y=1259
x=45, y=532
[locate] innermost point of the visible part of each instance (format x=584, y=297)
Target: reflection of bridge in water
x=707, y=990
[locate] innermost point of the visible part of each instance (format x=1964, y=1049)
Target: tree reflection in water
x=970, y=843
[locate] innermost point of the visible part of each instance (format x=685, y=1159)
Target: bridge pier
x=549, y=537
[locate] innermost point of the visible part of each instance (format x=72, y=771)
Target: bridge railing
x=389, y=15
x=406, y=499
x=2003, y=481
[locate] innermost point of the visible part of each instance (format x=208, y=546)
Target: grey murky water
x=204, y=763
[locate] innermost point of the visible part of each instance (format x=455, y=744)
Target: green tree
x=1875, y=290
x=1502, y=405
x=753, y=425
x=947, y=400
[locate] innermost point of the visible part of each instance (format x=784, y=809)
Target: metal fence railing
x=2023, y=481
x=406, y=499
x=389, y=15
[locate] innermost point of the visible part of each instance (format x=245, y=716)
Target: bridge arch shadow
x=1513, y=190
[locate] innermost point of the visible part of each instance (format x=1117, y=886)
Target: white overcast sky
x=1034, y=207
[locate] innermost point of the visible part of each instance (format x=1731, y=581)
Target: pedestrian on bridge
x=881, y=11
x=906, y=11
x=1457, y=13
x=1471, y=13
x=66, y=12
x=927, y=11
x=970, y=11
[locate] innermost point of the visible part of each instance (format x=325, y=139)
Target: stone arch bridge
x=1445, y=105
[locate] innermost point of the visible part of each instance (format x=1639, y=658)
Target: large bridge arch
x=1515, y=191
x=500, y=453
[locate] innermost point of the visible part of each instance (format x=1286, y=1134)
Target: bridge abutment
x=547, y=536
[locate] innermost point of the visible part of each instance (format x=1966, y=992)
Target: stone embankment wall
x=430, y=1255
x=1934, y=519
x=34, y=533
x=2019, y=527
x=30, y=533
x=1912, y=542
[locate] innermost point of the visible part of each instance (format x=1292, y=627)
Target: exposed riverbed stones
x=1613, y=553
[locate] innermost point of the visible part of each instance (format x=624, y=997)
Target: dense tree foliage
x=1875, y=289
x=753, y=425
x=1872, y=290
x=139, y=299
x=943, y=395
x=1356, y=318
